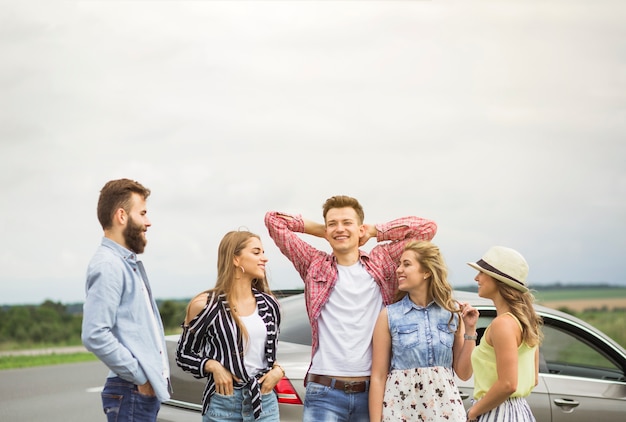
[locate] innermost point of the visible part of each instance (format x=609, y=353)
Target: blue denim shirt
x=117, y=325
x=420, y=337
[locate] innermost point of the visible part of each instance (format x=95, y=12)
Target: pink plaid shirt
x=318, y=269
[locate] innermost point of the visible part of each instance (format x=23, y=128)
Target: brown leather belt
x=345, y=386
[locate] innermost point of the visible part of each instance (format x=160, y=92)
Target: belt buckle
x=350, y=387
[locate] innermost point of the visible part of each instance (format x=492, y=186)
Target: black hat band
x=488, y=267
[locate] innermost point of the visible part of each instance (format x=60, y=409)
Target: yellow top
x=486, y=374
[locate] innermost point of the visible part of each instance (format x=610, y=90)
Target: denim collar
x=408, y=305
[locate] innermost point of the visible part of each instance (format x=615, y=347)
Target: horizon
x=532, y=286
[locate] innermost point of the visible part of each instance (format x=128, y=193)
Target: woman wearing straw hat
x=506, y=362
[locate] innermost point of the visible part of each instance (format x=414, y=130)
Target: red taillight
x=286, y=393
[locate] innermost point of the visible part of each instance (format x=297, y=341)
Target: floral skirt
x=422, y=394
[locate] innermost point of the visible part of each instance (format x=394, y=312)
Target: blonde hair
x=230, y=246
x=430, y=259
x=521, y=305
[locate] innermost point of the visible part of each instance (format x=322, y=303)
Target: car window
x=565, y=353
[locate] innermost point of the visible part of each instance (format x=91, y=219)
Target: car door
x=583, y=374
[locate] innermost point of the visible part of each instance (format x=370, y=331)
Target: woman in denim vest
x=419, y=342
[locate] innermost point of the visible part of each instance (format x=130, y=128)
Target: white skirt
x=514, y=409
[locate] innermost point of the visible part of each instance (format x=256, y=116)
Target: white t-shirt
x=254, y=349
x=346, y=324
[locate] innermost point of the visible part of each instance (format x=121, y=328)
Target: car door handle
x=566, y=404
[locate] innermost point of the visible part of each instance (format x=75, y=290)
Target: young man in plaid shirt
x=345, y=292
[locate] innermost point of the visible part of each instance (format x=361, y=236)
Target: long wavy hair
x=231, y=246
x=430, y=259
x=521, y=305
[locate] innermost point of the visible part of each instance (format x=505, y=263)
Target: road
x=58, y=393
x=63, y=393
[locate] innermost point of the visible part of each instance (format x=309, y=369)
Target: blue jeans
x=238, y=408
x=327, y=404
x=122, y=402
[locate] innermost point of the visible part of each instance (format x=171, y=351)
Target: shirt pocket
x=446, y=333
x=408, y=335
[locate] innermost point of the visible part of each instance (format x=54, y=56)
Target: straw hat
x=505, y=265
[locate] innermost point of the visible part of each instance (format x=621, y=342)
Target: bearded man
x=121, y=322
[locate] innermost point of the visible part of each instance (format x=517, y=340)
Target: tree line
x=53, y=323
x=56, y=324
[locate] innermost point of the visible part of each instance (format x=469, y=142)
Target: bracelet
x=474, y=337
x=279, y=367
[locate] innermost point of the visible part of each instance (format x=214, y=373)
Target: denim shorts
x=122, y=402
x=238, y=407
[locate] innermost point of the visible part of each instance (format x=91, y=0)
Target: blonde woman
x=419, y=342
x=506, y=363
x=230, y=335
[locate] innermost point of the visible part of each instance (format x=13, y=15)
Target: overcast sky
x=503, y=121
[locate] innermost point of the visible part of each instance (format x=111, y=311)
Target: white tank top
x=254, y=349
x=346, y=325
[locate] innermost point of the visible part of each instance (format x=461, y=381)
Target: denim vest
x=420, y=337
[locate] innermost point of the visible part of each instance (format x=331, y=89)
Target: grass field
x=579, y=294
x=583, y=299
x=26, y=361
x=604, y=308
x=580, y=305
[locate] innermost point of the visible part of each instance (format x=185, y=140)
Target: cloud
x=502, y=121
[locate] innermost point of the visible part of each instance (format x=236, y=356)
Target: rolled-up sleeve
x=283, y=229
x=414, y=228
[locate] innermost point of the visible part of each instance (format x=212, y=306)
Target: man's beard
x=133, y=236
